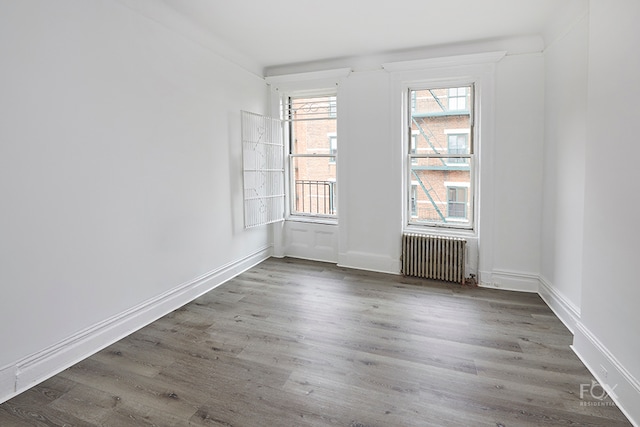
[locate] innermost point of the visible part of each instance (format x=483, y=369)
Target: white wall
x=609, y=335
x=564, y=169
x=370, y=175
x=119, y=173
x=517, y=171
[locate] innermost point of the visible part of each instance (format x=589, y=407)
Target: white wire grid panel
x=263, y=169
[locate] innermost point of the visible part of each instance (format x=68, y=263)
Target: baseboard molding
x=566, y=311
x=618, y=382
x=311, y=254
x=369, y=262
x=509, y=281
x=7, y=380
x=35, y=368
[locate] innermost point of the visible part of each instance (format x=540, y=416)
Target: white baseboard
x=369, y=262
x=311, y=254
x=509, y=280
x=8, y=379
x=620, y=384
x=35, y=368
x=566, y=311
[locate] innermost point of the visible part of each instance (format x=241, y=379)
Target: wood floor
x=300, y=343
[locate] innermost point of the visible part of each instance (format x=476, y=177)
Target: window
x=457, y=98
x=440, y=156
x=333, y=110
x=457, y=144
x=333, y=147
x=457, y=202
x=313, y=150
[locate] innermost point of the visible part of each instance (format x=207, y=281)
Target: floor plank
x=302, y=343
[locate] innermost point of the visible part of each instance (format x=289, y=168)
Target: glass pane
x=437, y=115
x=310, y=108
x=313, y=125
x=442, y=191
x=313, y=136
x=314, y=185
x=458, y=144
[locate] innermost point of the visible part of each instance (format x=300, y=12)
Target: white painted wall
x=120, y=166
x=517, y=170
x=564, y=168
x=370, y=175
x=609, y=335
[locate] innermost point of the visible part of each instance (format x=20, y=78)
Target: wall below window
x=120, y=175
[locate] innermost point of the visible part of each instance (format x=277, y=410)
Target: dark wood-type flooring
x=301, y=343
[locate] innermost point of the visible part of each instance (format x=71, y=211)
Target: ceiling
x=280, y=32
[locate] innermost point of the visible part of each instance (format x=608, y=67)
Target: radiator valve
x=471, y=280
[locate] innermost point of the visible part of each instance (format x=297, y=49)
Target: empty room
x=293, y=213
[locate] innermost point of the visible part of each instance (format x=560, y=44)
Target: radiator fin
x=433, y=257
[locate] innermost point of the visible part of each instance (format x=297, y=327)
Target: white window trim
x=319, y=83
x=480, y=69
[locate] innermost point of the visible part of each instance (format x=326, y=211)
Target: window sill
x=442, y=231
x=312, y=219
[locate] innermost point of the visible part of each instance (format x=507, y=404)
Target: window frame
x=290, y=191
x=455, y=225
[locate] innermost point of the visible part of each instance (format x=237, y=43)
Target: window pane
x=314, y=185
x=312, y=136
x=436, y=115
x=442, y=191
x=458, y=144
x=429, y=101
x=310, y=108
x=313, y=123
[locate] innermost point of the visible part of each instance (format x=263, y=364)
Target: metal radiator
x=433, y=257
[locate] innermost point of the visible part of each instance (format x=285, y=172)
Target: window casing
x=311, y=122
x=440, y=156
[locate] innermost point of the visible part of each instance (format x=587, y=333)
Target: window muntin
x=439, y=152
x=313, y=151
